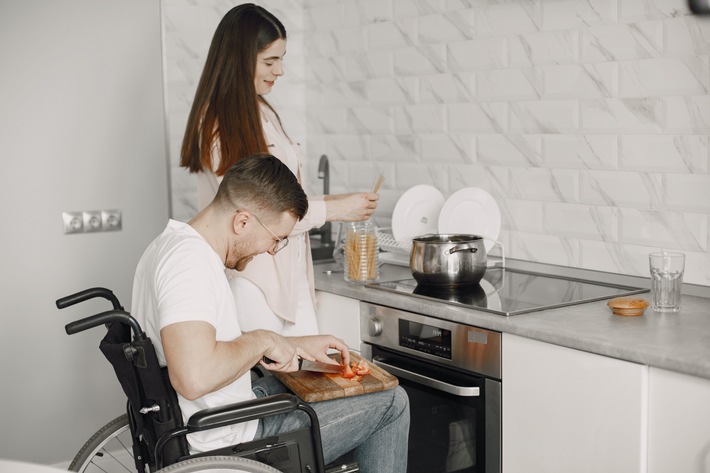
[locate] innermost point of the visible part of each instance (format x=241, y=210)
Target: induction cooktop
x=511, y=292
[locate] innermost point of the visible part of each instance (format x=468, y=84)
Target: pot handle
x=458, y=249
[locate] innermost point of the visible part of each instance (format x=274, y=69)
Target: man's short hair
x=261, y=183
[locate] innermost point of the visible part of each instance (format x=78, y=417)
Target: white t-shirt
x=180, y=278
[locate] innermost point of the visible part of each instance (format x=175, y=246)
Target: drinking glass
x=666, y=280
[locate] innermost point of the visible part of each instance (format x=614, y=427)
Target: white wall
x=588, y=121
x=81, y=128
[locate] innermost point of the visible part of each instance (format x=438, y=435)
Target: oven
x=452, y=375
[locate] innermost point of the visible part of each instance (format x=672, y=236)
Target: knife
x=307, y=365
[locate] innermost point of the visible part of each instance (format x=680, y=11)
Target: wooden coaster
x=628, y=306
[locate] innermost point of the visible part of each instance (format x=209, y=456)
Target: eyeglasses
x=281, y=242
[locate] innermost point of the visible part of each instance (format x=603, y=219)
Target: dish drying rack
x=398, y=252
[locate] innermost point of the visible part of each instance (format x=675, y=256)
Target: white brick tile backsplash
x=394, y=148
x=447, y=88
x=636, y=10
x=447, y=148
x=598, y=80
x=546, y=185
x=367, y=11
x=546, y=48
x=370, y=120
x=614, y=257
x=686, y=35
x=507, y=18
x=494, y=179
x=523, y=215
x=326, y=120
x=588, y=121
x=324, y=16
x=419, y=119
x=690, y=114
x=665, y=229
x=565, y=15
x=331, y=69
x=614, y=42
x=347, y=147
x=581, y=221
x=391, y=91
x=642, y=115
x=664, y=153
x=446, y=27
x=621, y=189
x=508, y=84
x=509, y=150
x=422, y=60
x=477, y=54
x=368, y=65
x=412, y=174
x=417, y=8
x=491, y=117
x=387, y=35
x=549, y=116
x=580, y=151
x=666, y=76
x=687, y=192
x=544, y=248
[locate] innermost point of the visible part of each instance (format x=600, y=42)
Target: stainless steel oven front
x=452, y=375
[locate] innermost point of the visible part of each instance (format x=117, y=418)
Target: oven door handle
x=463, y=391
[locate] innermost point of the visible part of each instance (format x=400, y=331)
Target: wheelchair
x=151, y=436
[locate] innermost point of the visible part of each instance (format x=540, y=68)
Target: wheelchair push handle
x=106, y=318
x=87, y=294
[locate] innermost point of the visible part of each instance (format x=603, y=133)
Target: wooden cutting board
x=314, y=387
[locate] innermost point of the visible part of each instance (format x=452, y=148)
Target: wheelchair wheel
x=218, y=464
x=108, y=450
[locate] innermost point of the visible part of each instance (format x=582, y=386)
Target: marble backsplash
x=588, y=121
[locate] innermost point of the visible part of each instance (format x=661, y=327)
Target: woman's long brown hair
x=226, y=105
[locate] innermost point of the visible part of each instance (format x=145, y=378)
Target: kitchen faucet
x=326, y=238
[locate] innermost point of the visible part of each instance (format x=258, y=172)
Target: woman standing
x=229, y=120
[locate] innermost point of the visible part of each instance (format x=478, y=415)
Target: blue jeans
x=374, y=426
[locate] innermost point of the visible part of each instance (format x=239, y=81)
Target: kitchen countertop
x=677, y=342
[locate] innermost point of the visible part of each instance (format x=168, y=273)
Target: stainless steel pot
x=448, y=260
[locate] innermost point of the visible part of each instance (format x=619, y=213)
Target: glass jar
x=361, y=253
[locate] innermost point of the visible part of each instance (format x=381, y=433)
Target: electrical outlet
x=73, y=222
x=111, y=220
x=92, y=220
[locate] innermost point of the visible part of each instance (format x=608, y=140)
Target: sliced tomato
x=348, y=372
x=361, y=368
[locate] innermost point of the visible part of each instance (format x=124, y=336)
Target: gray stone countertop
x=677, y=342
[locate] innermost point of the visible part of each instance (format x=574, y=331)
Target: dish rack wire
x=387, y=242
x=401, y=250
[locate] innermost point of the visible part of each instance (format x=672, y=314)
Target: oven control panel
x=425, y=338
x=458, y=345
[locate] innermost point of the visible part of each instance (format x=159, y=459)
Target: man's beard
x=240, y=256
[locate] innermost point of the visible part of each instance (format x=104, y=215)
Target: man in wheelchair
x=183, y=300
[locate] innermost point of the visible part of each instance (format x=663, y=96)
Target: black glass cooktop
x=511, y=292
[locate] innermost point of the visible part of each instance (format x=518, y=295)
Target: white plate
x=416, y=212
x=471, y=210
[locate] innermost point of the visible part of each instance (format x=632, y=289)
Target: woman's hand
x=350, y=207
x=317, y=347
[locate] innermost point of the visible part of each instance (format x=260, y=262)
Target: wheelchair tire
x=108, y=450
x=217, y=464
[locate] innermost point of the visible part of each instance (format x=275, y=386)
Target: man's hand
x=317, y=347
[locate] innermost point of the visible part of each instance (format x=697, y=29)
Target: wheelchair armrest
x=242, y=411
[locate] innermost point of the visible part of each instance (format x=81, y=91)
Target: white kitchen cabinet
x=678, y=423
x=566, y=410
x=339, y=316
